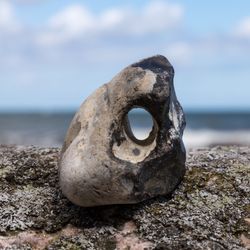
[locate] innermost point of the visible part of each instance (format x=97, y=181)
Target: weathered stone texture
x=103, y=163
x=209, y=210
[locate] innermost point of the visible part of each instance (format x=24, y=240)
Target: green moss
x=107, y=244
x=3, y=172
x=247, y=209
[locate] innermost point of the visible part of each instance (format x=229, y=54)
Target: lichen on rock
x=209, y=210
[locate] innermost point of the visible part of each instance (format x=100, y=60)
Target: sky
x=53, y=54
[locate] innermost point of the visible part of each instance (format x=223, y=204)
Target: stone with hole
x=103, y=161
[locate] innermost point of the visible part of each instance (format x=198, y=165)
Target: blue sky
x=53, y=54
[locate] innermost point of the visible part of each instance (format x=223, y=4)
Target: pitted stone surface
x=102, y=162
x=209, y=210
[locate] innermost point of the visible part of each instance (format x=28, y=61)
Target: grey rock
x=103, y=163
x=210, y=209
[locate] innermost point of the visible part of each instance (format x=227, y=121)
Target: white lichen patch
x=147, y=83
x=131, y=151
x=128, y=239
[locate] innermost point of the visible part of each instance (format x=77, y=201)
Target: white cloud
x=67, y=24
x=8, y=21
x=77, y=21
x=159, y=16
x=113, y=36
x=243, y=29
x=80, y=45
x=180, y=53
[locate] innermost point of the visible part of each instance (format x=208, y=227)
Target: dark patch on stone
x=136, y=151
x=118, y=138
x=106, y=95
x=156, y=64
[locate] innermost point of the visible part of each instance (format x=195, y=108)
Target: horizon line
x=74, y=110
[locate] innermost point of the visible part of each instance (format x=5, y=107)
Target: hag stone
x=103, y=163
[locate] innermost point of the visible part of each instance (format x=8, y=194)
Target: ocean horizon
x=48, y=129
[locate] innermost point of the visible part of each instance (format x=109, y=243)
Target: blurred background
x=53, y=54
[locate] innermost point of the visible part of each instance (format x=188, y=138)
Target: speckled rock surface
x=209, y=210
x=102, y=162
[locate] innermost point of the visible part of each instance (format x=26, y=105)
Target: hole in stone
x=141, y=123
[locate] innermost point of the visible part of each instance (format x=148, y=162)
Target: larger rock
x=103, y=162
x=209, y=210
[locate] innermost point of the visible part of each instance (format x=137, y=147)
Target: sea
x=48, y=129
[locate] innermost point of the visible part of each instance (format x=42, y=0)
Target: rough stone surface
x=209, y=210
x=103, y=163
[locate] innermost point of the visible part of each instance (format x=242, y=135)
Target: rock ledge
x=209, y=210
